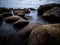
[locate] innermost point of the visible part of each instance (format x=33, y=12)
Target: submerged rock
x=46, y=7
x=20, y=23
x=8, y=37
x=45, y=35
x=52, y=15
x=12, y=19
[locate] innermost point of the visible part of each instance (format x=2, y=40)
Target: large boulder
x=45, y=35
x=24, y=32
x=52, y=15
x=20, y=23
x=12, y=19
x=6, y=14
x=46, y=7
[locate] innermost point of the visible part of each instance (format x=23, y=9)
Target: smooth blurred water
x=25, y=3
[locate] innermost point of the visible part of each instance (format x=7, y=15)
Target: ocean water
x=25, y=3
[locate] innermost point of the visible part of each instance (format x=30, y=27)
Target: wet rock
x=32, y=9
x=18, y=11
x=24, y=32
x=21, y=14
x=26, y=11
x=20, y=23
x=12, y=19
x=46, y=7
x=52, y=15
x=45, y=35
x=6, y=14
x=5, y=10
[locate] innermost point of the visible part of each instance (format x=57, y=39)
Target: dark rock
x=32, y=9
x=12, y=19
x=52, y=15
x=26, y=10
x=21, y=14
x=4, y=10
x=45, y=35
x=24, y=32
x=20, y=23
x=6, y=14
x=21, y=11
x=46, y=7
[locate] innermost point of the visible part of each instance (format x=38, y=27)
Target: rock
x=6, y=14
x=21, y=14
x=26, y=10
x=24, y=32
x=18, y=11
x=45, y=35
x=52, y=15
x=20, y=23
x=4, y=10
x=32, y=9
x=12, y=19
x=46, y=7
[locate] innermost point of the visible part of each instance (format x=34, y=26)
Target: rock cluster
x=50, y=12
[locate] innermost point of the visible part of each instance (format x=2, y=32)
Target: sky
x=25, y=3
